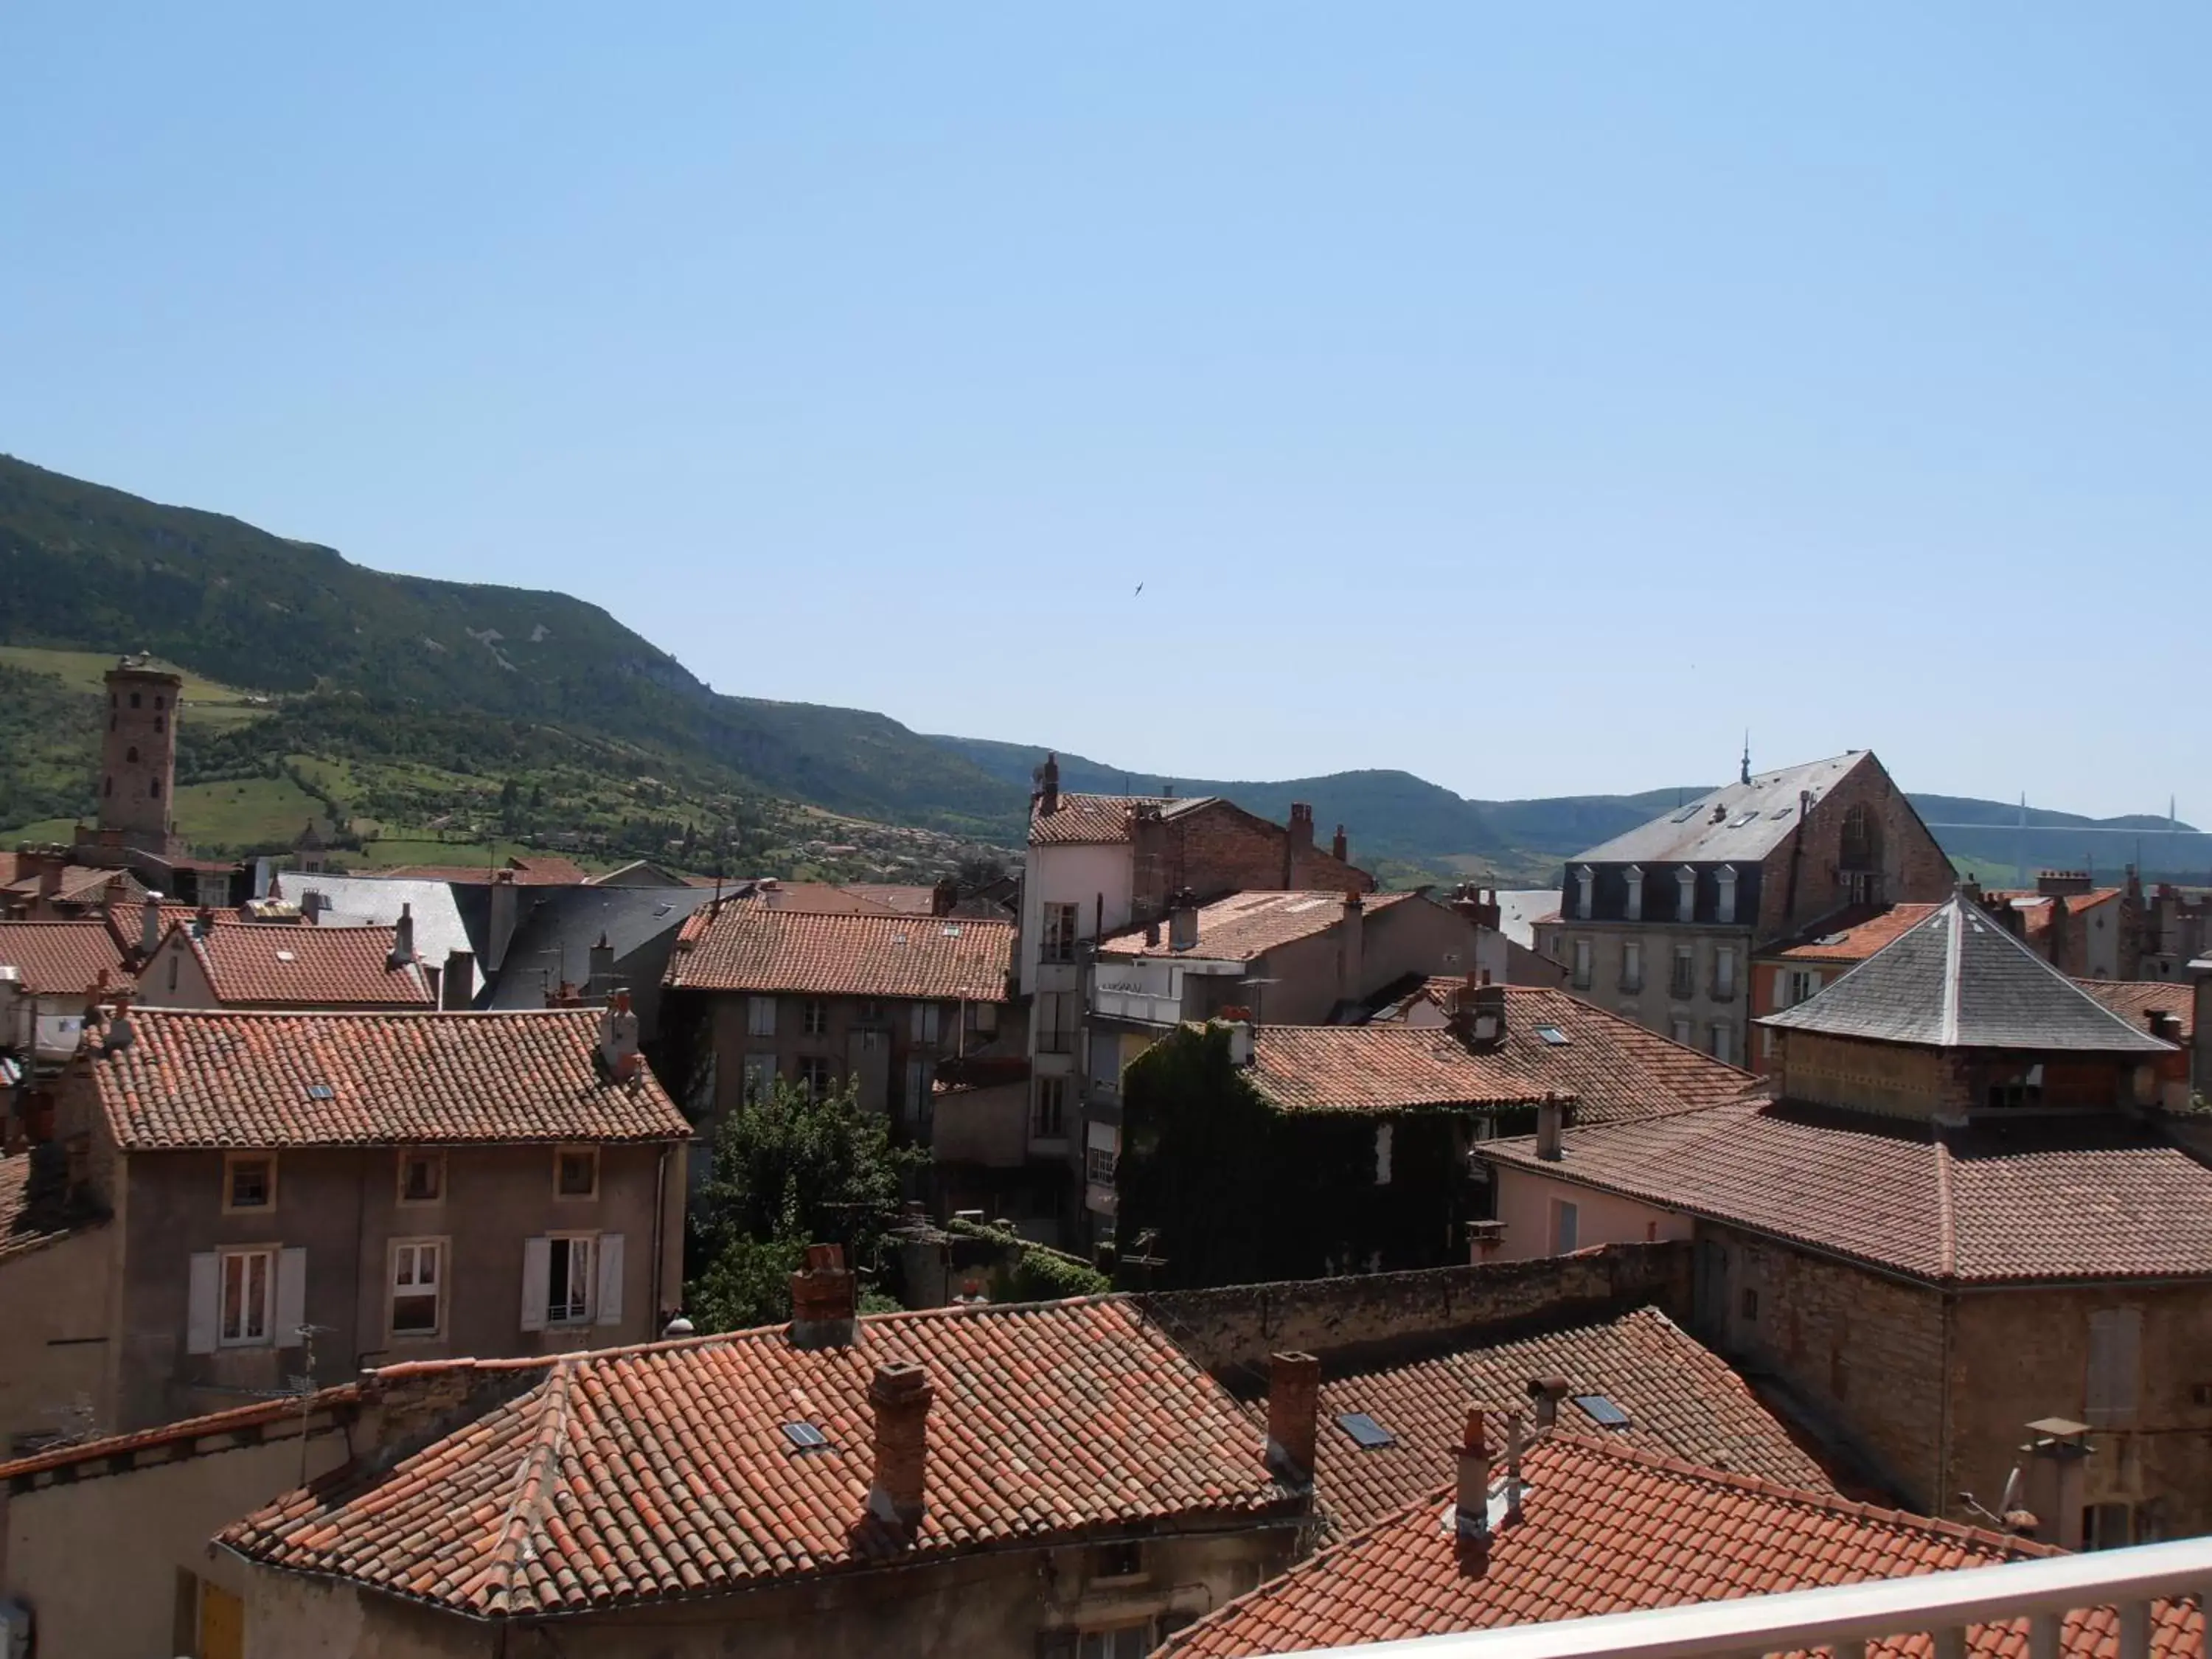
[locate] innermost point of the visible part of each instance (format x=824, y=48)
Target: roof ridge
x=1953, y=950
x=2056, y=975
x=1946, y=1217
x=527, y=1507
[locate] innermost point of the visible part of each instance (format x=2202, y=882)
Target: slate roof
x=1610, y=1067
x=1958, y=979
x=1754, y=818
x=2134, y=1000
x=1247, y=925
x=1100, y=818
x=277, y=965
x=250, y=1079
x=1612, y=1529
x=1681, y=1398
x=439, y=929
x=662, y=1474
x=744, y=947
x=1853, y=935
x=60, y=958
x=553, y=940
x=2087, y=1197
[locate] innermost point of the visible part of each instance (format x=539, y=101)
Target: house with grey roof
x=1661, y=923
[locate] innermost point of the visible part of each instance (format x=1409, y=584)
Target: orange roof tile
x=1081, y=819
x=1610, y=1528
x=276, y=965
x=662, y=1472
x=2134, y=1000
x=1246, y=925
x=1611, y=1069
x=1681, y=1398
x=538, y=870
x=60, y=958
x=822, y=897
x=744, y=947
x=1855, y=936
x=2089, y=1197
x=246, y=1078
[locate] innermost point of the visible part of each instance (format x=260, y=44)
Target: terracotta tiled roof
x=1681, y=1398
x=539, y=869
x=2050, y=1198
x=1611, y=1069
x=2134, y=1000
x=2037, y=912
x=274, y=965
x=60, y=958
x=234, y=1079
x=663, y=1473
x=743, y=947
x=1246, y=925
x=1609, y=1528
x=821, y=897
x=911, y=901
x=1855, y=935
x=180, y=1434
x=80, y=884
x=1080, y=819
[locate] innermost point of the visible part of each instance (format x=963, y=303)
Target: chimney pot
x=1182, y=920
x=900, y=1393
x=1545, y=1394
x=1471, y=1496
x=1551, y=1119
x=1293, y=1415
x=403, y=938
x=822, y=1304
x=149, y=925
x=1338, y=847
x=456, y=986
x=1049, y=785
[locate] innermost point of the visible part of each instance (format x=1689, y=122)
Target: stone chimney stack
x=403, y=939
x=1478, y=1017
x=1551, y=1119
x=1478, y=905
x=456, y=988
x=944, y=896
x=1545, y=1394
x=1293, y=1416
x=1182, y=920
x=2057, y=1478
x=1471, y=1499
x=1352, y=964
x=1048, y=790
x=150, y=927
x=822, y=1300
x=1302, y=827
x=503, y=918
x=600, y=968
x=901, y=1394
x=1338, y=847
x=618, y=1052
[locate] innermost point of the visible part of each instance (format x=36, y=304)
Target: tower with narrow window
x=138, y=755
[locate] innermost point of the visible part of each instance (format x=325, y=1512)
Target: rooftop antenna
x=1746, y=755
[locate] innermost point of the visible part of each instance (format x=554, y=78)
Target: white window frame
x=1579, y=974
x=565, y=1248
x=561, y=1153
x=230, y=1163
x=817, y=1076
x=1635, y=875
x=1683, y=1032
x=814, y=1017
x=269, y=1256
x=436, y=1160
x=1117, y=1642
x=1725, y=973
x=1723, y=1043
x=1057, y=931
x=1724, y=913
x=1681, y=983
x=759, y=1016
x=1686, y=894
x=1585, y=892
x=1631, y=964
x=406, y=1256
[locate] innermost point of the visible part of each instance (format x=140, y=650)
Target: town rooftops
x=1738, y=821
x=1853, y=935
x=2135, y=1000
x=1607, y=1528
x=27, y=1219
x=744, y=946
x=1077, y=819
x=1667, y=1393
x=1609, y=1067
x=2090, y=1197
x=1958, y=978
x=307, y=967
x=1247, y=925
x=535, y=869
x=237, y=1079
x=60, y=958
x=667, y=1473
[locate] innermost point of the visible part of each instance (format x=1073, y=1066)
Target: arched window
x=156, y=790
x=134, y=699
x=130, y=754
x=1861, y=848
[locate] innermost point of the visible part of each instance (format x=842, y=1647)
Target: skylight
x=1365, y=1429
x=1685, y=815
x=1601, y=1411
x=1742, y=819
x=951, y=932
x=286, y=956
x=321, y=1091
x=805, y=1437
x=1554, y=1035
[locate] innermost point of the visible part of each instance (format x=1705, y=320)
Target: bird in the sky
x=1141, y=588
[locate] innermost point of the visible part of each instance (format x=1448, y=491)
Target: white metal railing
x=1845, y=1618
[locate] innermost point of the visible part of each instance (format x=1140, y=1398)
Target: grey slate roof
x=1960, y=979
x=1754, y=818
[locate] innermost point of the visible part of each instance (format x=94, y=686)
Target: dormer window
x=1635, y=876
x=1725, y=911
x=1686, y=894
x=1585, y=882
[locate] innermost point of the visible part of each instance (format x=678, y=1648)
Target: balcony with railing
x=2114, y=1604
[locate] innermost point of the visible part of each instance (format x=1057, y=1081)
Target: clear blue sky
x=1531, y=396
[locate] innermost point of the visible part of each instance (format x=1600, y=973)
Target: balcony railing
x=1844, y=1618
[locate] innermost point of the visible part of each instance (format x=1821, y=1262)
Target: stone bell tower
x=138, y=757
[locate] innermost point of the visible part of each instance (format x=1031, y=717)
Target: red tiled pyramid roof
x=744, y=946
x=242, y=1079
x=662, y=1474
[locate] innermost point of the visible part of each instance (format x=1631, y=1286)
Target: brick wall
x=1913, y=867
x=1222, y=848
x=1243, y=1324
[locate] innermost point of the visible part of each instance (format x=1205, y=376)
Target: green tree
x=789, y=1171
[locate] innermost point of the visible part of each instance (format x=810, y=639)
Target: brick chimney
x=1551, y=1119
x=944, y=896
x=1477, y=1017
x=1545, y=1394
x=901, y=1394
x=1477, y=904
x=1048, y=789
x=1293, y=1415
x=1182, y=920
x=1471, y=1497
x=1351, y=965
x=822, y=1300
x=403, y=939
x=2063, y=883
x=1302, y=827
x=458, y=984
x=1338, y=847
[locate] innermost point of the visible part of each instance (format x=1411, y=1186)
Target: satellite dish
x=2014, y=1483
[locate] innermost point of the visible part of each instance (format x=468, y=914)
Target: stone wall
x=1222, y=848
x=1243, y=1324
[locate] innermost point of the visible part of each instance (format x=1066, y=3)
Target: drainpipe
x=660, y=1233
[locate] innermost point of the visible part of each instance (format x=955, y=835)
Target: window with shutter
x=537, y=1276
x=205, y=1279
x=2115, y=1344
x=609, y=1310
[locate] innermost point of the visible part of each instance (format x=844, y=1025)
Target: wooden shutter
x=200, y=1321
x=609, y=1304
x=291, y=1298
x=2115, y=1344
x=536, y=1281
